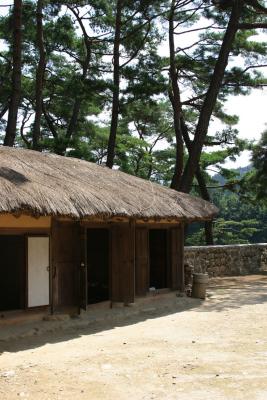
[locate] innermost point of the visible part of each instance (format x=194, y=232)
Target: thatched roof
x=46, y=184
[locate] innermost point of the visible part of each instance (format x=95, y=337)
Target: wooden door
x=141, y=261
x=38, y=271
x=65, y=264
x=177, y=258
x=122, y=263
x=83, y=292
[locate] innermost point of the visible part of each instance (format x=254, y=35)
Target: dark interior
x=158, y=258
x=98, y=265
x=12, y=273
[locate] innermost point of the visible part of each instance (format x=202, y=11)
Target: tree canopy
x=135, y=85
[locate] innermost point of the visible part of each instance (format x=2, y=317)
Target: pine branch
x=256, y=25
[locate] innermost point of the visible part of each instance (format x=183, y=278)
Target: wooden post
x=177, y=257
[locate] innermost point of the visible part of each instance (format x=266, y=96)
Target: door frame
x=171, y=274
x=25, y=233
x=108, y=227
x=111, y=226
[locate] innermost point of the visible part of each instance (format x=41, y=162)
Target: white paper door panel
x=38, y=271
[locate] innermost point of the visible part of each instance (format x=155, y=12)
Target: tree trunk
x=39, y=77
x=16, y=75
x=208, y=228
x=116, y=88
x=174, y=95
x=201, y=182
x=206, y=196
x=211, y=98
x=78, y=100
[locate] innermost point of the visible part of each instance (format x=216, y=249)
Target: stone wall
x=228, y=260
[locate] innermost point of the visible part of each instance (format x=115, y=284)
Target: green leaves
x=254, y=183
x=238, y=222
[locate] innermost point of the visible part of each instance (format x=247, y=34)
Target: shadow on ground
x=223, y=294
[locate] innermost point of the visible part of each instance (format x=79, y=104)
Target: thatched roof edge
x=45, y=184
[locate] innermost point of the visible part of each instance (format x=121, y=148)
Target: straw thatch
x=46, y=184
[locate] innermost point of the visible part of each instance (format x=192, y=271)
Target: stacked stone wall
x=228, y=260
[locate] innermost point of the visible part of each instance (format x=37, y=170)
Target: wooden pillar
x=123, y=263
x=177, y=258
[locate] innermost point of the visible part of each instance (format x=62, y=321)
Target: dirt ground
x=213, y=349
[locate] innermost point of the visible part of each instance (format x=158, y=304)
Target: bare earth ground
x=188, y=349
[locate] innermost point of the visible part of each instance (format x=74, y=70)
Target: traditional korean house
x=73, y=233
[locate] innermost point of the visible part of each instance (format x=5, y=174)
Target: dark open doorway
x=12, y=273
x=158, y=258
x=98, y=265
